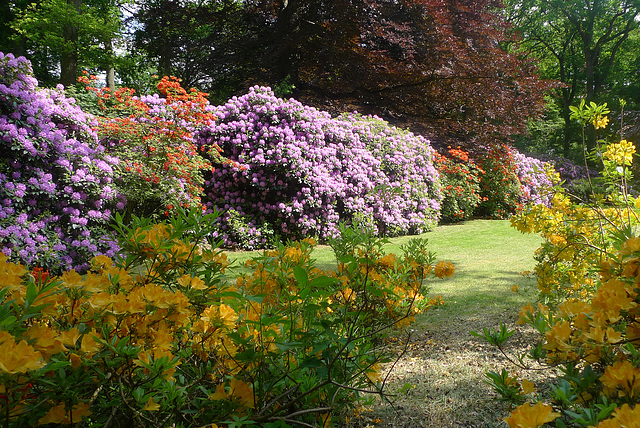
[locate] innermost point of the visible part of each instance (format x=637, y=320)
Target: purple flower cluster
x=536, y=185
x=55, y=192
x=301, y=172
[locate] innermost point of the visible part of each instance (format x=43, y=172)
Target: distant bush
x=56, y=182
x=300, y=172
x=575, y=178
x=500, y=186
x=533, y=174
x=460, y=178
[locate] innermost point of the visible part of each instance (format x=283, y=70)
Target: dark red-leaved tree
x=437, y=66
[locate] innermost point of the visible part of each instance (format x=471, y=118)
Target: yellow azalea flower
x=228, y=315
x=612, y=297
x=55, y=415
x=558, y=336
x=95, y=283
x=613, y=336
x=70, y=337
x=621, y=379
x=620, y=153
x=527, y=386
x=220, y=393
x=195, y=283
x=19, y=357
x=89, y=345
x=47, y=340
x=596, y=334
x=626, y=417
x=76, y=360
x=58, y=414
x=388, y=261
x=348, y=294
x=151, y=405
x=515, y=288
x=600, y=121
x=527, y=311
x=572, y=308
x=630, y=246
x=11, y=273
x=242, y=391
x=528, y=416
x=444, y=269
x=101, y=262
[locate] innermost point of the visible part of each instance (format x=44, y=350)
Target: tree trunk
x=69, y=56
x=110, y=70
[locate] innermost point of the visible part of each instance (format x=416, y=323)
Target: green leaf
x=32, y=293
x=323, y=281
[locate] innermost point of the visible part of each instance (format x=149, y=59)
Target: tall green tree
x=73, y=33
x=202, y=42
x=577, y=42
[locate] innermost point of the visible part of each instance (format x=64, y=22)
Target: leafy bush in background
x=302, y=172
x=500, y=186
x=56, y=181
x=574, y=177
x=460, y=178
x=179, y=343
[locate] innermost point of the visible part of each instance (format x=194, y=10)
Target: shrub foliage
x=164, y=336
x=588, y=319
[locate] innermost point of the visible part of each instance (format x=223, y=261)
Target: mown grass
x=443, y=365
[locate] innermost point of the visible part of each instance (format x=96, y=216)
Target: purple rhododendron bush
x=300, y=172
x=534, y=175
x=55, y=180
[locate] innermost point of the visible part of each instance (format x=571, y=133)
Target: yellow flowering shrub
x=163, y=336
x=588, y=319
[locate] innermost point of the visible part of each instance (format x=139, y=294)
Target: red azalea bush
x=153, y=136
x=500, y=187
x=460, y=177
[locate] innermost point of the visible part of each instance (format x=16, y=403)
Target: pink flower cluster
x=303, y=172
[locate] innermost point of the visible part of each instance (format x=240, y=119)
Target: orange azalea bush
x=163, y=336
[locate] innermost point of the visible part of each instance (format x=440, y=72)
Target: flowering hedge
x=301, y=172
x=56, y=182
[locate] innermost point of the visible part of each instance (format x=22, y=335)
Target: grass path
x=444, y=363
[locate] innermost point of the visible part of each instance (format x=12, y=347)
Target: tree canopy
x=454, y=70
x=583, y=44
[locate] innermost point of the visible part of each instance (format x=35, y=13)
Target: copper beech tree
x=440, y=67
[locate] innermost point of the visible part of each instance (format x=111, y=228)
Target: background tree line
x=459, y=71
